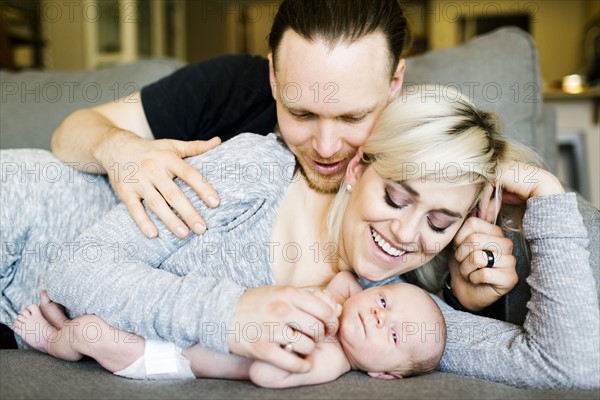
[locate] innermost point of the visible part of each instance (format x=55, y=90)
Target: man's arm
x=116, y=139
x=84, y=132
x=220, y=97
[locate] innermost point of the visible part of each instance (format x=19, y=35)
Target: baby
x=390, y=331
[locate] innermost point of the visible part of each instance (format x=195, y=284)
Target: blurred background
x=68, y=34
x=86, y=34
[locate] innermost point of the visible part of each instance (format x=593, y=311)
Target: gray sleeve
x=557, y=346
x=115, y=270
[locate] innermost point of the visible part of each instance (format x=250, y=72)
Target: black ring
x=490, y=257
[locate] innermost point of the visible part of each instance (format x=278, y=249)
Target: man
x=333, y=67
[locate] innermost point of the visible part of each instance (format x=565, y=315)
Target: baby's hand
x=326, y=296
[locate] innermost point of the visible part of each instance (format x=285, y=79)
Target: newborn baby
x=389, y=331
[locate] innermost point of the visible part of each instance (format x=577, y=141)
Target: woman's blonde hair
x=433, y=132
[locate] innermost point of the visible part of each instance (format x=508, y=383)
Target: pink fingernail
x=213, y=201
x=150, y=233
x=199, y=228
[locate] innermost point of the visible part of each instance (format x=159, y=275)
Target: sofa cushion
x=27, y=374
x=499, y=71
x=34, y=103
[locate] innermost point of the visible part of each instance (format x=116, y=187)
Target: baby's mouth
x=362, y=322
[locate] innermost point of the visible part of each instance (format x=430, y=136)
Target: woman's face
x=390, y=228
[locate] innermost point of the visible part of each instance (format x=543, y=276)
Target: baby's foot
x=33, y=328
x=40, y=334
x=53, y=312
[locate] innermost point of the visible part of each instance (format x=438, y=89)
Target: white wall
x=577, y=116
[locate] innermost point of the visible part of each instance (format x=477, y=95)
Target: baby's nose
x=380, y=316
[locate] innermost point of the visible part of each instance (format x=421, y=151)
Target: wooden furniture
x=21, y=42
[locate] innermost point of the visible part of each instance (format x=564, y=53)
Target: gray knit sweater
x=186, y=290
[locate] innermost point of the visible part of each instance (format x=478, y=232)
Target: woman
x=187, y=289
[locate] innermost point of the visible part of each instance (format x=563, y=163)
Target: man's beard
x=326, y=184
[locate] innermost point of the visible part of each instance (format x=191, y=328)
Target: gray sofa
x=500, y=71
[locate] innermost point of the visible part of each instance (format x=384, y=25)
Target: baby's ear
x=384, y=375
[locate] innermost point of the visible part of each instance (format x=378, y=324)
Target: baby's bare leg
x=210, y=364
x=70, y=340
x=112, y=348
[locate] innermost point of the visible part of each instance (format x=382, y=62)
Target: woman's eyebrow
x=409, y=189
x=449, y=212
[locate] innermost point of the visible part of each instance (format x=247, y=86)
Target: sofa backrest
x=34, y=103
x=499, y=71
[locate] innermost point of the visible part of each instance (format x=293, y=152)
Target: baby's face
x=385, y=327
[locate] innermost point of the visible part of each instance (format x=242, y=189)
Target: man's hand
x=141, y=169
x=283, y=315
x=475, y=286
x=521, y=182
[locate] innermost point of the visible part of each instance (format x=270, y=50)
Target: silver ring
x=289, y=347
x=490, y=258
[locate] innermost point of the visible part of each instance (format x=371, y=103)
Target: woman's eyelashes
x=388, y=199
x=435, y=228
x=439, y=222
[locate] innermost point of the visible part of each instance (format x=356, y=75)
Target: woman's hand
x=475, y=286
x=279, y=324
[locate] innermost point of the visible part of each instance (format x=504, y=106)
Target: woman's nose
x=406, y=231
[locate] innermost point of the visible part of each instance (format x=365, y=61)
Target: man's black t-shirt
x=221, y=97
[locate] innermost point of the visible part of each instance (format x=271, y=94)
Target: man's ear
x=354, y=169
x=384, y=375
x=272, y=80
x=397, y=80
